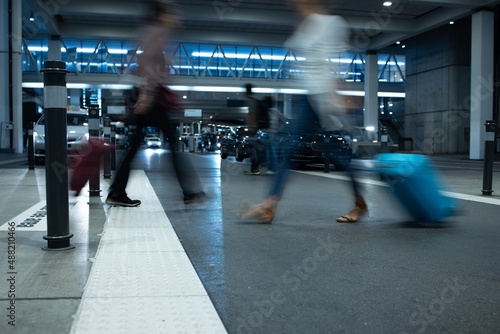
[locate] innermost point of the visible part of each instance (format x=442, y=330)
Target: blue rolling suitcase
x=418, y=185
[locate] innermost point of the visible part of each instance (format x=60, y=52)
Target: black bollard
x=489, y=152
x=383, y=140
x=113, y=149
x=107, y=140
x=56, y=155
x=31, y=148
x=327, y=154
x=94, y=135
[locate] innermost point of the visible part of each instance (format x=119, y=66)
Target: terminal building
x=419, y=76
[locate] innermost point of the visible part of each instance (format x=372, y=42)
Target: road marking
x=465, y=197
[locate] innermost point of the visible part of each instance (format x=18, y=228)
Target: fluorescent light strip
x=220, y=89
x=79, y=50
x=379, y=94
x=241, y=56
x=79, y=85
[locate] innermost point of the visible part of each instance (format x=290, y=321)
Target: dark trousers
x=184, y=170
x=254, y=156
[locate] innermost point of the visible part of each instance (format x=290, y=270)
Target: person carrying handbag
x=154, y=105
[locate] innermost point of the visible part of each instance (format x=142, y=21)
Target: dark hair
x=163, y=7
x=248, y=88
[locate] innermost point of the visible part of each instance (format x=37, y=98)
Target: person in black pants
x=184, y=170
x=252, y=122
x=153, y=105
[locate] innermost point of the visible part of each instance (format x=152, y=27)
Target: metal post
x=56, y=155
x=327, y=154
x=113, y=147
x=383, y=140
x=107, y=155
x=31, y=149
x=489, y=152
x=94, y=136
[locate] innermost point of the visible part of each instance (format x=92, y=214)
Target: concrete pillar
x=4, y=67
x=54, y=52
x=481, y=98
x=287, y=106
x=11, y=111
x=371, y=91
x=17, y=76
x=74, y=97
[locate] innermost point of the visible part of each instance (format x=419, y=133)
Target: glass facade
x=205, y=60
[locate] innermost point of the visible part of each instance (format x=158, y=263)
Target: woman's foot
x=263, y=212
x=359, y=210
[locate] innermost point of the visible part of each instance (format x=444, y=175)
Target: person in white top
x=318, y=37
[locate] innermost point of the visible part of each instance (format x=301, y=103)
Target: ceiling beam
x=96, y=7
x=452, y=3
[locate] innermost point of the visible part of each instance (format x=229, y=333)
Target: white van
x=77, y=127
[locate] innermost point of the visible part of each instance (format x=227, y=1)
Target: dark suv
x=235, y=141
x=311, y=148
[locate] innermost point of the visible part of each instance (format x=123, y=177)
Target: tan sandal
x=263, y=212
x=359, y=210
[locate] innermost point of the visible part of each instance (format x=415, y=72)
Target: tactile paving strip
x=142, y=280
x=149, y=315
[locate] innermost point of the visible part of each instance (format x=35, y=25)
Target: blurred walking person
x=154, y=103
x=318, y=37
x=252, y=122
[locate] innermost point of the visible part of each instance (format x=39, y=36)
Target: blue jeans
x=272, y=151
x=305, y=123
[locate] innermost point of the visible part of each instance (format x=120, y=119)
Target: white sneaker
x=270, y=172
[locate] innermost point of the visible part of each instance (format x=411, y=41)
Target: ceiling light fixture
x=387, y=4
x=32, y=18
x=452, y=22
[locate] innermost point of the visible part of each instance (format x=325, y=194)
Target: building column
x=54, y=52
x=481, y=98
x=4, y=68
x=75, y=96
x=11, y=104
x=371, y=91
x=17, y=76
x=287, y=106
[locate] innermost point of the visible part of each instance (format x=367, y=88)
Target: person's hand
x=143, y=104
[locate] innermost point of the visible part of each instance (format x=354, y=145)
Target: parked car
x=311, y=148
x=77, y=129
x=153, y=142
x=235, y=143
